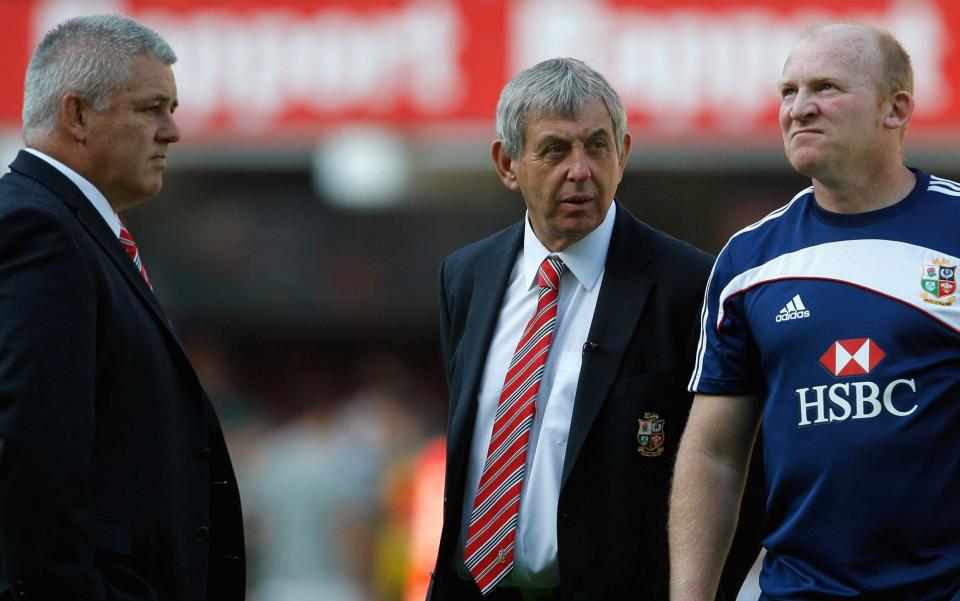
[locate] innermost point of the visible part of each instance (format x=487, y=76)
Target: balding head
x=879, y=53
x=843, y=116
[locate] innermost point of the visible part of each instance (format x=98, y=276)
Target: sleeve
x=727, y=359
x=47, y=410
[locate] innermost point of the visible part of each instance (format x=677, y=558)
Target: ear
x=900, y=110
x=627, y=142
x=75, y=116
x=504, y=165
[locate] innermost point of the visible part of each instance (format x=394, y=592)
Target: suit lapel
x=93, y=223
x=623, y=294
x=489, y=283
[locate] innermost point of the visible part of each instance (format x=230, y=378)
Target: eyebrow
x=162, y=98
x=159, y=98
x=788, y=81
x=550, y=138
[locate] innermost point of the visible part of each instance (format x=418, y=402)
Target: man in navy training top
x=834, y=321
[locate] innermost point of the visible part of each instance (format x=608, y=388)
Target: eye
x=787, y=92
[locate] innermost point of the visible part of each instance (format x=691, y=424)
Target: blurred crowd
x=328, y=469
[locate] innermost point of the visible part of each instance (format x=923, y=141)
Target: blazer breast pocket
x=648, y=412
x=659, y=384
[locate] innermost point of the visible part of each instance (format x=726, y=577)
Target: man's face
x=127, y=143
x=831, y=114
x=568, y=172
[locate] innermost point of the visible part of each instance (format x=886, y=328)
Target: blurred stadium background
x=334, y=151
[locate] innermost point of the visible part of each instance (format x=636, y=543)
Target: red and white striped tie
x=131, y=247
x=488, y=552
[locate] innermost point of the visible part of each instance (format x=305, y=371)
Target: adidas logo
x=793, y=310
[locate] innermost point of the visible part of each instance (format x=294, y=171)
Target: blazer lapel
x=623, y=294
x=103, y=236
x=489, y=283
x=93, y=223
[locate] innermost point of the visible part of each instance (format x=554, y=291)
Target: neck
x=868, y=190
x=57, y=149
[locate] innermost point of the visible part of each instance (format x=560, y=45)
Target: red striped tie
x=131, y=247
x=490, y=537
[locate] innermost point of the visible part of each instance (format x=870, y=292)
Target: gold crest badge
x=650, y=435
x=938, y=282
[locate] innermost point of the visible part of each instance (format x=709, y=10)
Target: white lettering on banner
x=676, y=66
x=252, y=68
x=867, y=401
x=709, y=66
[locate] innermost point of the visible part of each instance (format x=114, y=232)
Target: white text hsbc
x=855, y=400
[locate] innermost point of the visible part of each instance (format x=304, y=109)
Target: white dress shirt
x=96, y=198
x=535, y=553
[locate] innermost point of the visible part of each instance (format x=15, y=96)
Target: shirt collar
x=96, y=198
x=584, y=258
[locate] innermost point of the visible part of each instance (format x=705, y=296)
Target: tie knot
x=125, y=238
x=551, y=270
x=126, y=241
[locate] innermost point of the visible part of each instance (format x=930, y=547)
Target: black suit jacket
x=611, y=520
x=115, y=481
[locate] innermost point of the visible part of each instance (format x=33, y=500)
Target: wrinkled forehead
x=592, y=108
x=546, y=112
x=839, y=47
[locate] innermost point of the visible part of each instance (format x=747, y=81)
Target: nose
x=579, y=168
x=168, y=132
x=804, y=105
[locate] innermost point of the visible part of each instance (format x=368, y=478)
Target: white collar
x=584, y=258
x=96, y=198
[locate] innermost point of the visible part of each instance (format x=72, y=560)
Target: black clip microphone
x=590, y=347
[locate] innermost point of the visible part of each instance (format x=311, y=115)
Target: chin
x=804, y=163
x=153, y=187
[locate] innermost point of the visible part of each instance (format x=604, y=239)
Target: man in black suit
x=610, y=400
x=115, y=482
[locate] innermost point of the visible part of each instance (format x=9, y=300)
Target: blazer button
x=201, y=534
x=203, y=453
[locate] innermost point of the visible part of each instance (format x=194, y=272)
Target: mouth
x=805, y=131
x=576, y=199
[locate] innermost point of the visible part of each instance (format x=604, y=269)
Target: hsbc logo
x=854, y=400
x=855, y=357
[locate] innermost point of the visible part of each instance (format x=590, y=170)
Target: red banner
x=687, y=70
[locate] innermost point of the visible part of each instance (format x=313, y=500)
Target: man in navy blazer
x=612, y=399
x=115, y=482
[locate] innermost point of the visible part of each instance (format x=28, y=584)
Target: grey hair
x=92, y=56
x=556, y=87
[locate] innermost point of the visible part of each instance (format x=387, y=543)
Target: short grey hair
x=555, y=87
x=92, y=56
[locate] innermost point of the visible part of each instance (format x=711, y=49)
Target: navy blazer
x=611, y=518
x=115, y=482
